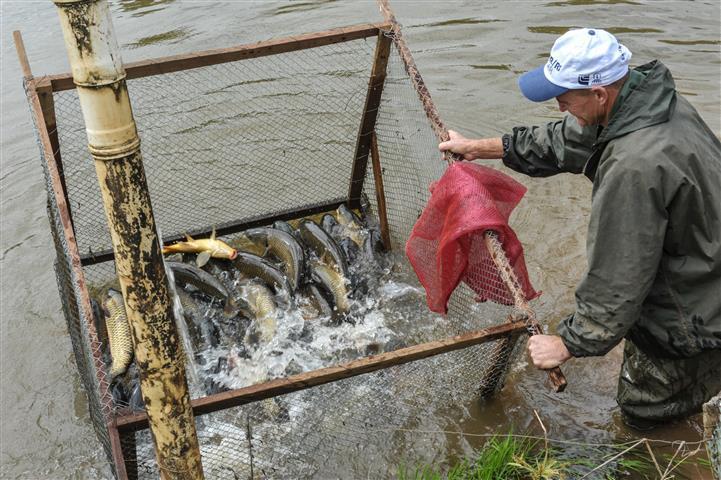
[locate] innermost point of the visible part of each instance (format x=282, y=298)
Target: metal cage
x=241, y=137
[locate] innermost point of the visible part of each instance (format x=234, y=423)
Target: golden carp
x=204, y=247
x=119, y=338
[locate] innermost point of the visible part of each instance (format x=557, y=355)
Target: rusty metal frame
x=368, y=119
x=281, y=386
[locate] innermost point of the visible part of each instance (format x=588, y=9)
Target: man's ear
x=601, y=94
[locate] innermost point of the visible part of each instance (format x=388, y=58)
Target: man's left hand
x=547, y=351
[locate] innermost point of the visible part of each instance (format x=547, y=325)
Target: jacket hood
x=651, y=102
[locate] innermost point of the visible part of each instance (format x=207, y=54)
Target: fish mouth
x=233, y=254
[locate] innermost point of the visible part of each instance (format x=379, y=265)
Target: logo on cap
x=589, y=79
x=553, y=64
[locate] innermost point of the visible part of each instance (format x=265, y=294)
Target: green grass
x=513, y=457
x=507, y=457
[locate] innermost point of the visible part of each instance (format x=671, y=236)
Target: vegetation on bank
x=519, y=457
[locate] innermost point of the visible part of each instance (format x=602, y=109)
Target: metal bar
x=281, y=386
x=47, y=102
x=495, y=250
x=114, y=144
x=368, y=121
x=116, y=448
x=175, y=63
x=22, y=55
x=227, y=228
x=380, y=193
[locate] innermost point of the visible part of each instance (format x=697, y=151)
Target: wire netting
x=251, y=139
x=86, y=346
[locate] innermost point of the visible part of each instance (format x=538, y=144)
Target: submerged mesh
x=447, y=244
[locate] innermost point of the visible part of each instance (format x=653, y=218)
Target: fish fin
x=212, y=235
x=188, y=238
x=203, y=258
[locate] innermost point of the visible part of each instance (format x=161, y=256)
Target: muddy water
x=470, y=54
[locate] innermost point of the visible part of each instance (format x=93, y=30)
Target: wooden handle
x=557, y=379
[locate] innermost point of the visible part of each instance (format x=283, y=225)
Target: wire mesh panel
x=242, y=141
x=86, y=346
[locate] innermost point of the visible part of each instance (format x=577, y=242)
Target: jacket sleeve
x=557, y=147
x=625, y=242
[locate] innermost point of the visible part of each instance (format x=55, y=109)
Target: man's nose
x=562, y=107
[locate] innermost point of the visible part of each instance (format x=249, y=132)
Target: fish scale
x=119, y=338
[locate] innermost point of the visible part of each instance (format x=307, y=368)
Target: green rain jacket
x=654, y=237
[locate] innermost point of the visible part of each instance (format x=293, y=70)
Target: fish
x=350, y=249
x=186, y=274
x=136, y=401
x=345, y=216
x=204, y=247
x=120, y=396
x=323, y=245
x=284, y=247
x=351, y=225
x=284, y=226
x=333, y=283
x=264, y=310
x=330, y=224
x=119, y=338
x=317, y=300
x=253, y=266
x=204, y=333
x=373, y=247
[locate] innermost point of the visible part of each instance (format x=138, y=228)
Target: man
x=654, y=238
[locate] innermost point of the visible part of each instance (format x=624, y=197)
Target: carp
x=204, y=247
x=351, y=225
x=350, y=249
x=333, y=283
x=323, y=245
x=203, y=332
x=345, y=216
x=185, y=274
x=330, y=224
x=253, y=266
x=317, y=301
x=263, y=310
x=119, y=338
x=281, y=245
x=284, y=226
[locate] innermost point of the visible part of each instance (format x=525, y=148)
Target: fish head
x=223, y=250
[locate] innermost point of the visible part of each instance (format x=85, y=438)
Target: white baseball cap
x=581, y=58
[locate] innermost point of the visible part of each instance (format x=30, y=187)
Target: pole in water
x=114, y=144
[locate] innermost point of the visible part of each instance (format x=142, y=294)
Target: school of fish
x=311, y=268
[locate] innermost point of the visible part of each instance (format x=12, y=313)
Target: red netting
x=447, y=243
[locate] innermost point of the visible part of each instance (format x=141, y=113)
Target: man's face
x=586, y=105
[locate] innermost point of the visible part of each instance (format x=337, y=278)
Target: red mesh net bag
x=447, y=245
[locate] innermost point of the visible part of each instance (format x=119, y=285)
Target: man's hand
x=547, y=351
x=470, y=149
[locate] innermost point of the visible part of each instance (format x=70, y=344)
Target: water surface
x=469, y=53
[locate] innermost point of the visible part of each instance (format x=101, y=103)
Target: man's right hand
x=470, y=149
